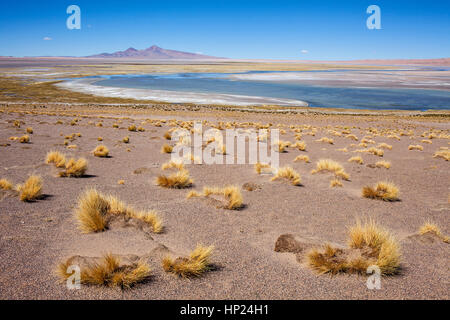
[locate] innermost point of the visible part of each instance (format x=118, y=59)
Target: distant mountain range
x=153, y=52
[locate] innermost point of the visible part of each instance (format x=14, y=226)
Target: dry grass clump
x=282, y=145
x=300, y=145
x=260, y=167
x=192, y=194
x=126, y=140
x=192, y=266
x=5, y=184
x=166, y=148
x=444, y=154
x=109, y=272
x=352, y=136
x=75, y=168
x=121, y=182
x=302, y=158
x=383, y=164
x=172, y=164
x=31, y=190
x=94, y=210
x=101, y=151
x=177, y=180
x=356, y=159
x=289, y=174
x=327, y=165
x=326, y=140
x=29, y=130
x=335, y=183
x=56, y=158
x=375, y=151
x=99, y=139
x=427, y=141
x=132, y=128
x=394, y=136
x=24, y=139
x=232, y=195
x=369, y=245
x=167, y=135
x=384, y=146
x=149, y=217
x=415, y=147
x=386, y=191
x=430, y=227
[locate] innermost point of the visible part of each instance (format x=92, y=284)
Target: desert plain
x=262, y=250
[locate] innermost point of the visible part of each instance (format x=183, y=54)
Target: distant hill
x=153, y=52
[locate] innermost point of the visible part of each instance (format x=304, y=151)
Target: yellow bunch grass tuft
x=300, y=145
x=101, y=151
x=24, y=139
x=335, y=183
x=108, y=272
x=384, y=146
x=94, y=210
x=282, y=145
x=386, y=191
x=375, y=151
x=302, y=158
x=431, y=227
x=166, y=148
x=192, y=266
x=172, y=164
x=326, y=140
x=356, y=159
x=327, y=165
x=232, y=195
x=415, y=147
x=444, y=154
x=31, y=190
x=260, y=167
x=177, y=180
x=75, y=168
x=383, y=164
x=289, y=174
x=5, y=184
x=369, y=245
x=56, y=158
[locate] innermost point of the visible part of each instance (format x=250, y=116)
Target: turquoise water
x=316, y=96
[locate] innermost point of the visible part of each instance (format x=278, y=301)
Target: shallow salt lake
x=407, y=89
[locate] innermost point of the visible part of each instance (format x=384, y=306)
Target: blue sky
x=323, y=30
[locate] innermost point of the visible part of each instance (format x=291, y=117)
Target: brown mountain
x=154, y=52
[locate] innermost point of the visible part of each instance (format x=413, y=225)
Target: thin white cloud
x=47, y=38
x=304, y=51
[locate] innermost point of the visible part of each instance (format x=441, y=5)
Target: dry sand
x=35, y=237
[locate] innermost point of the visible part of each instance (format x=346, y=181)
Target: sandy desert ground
x=37, y=236
x=261, y=251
